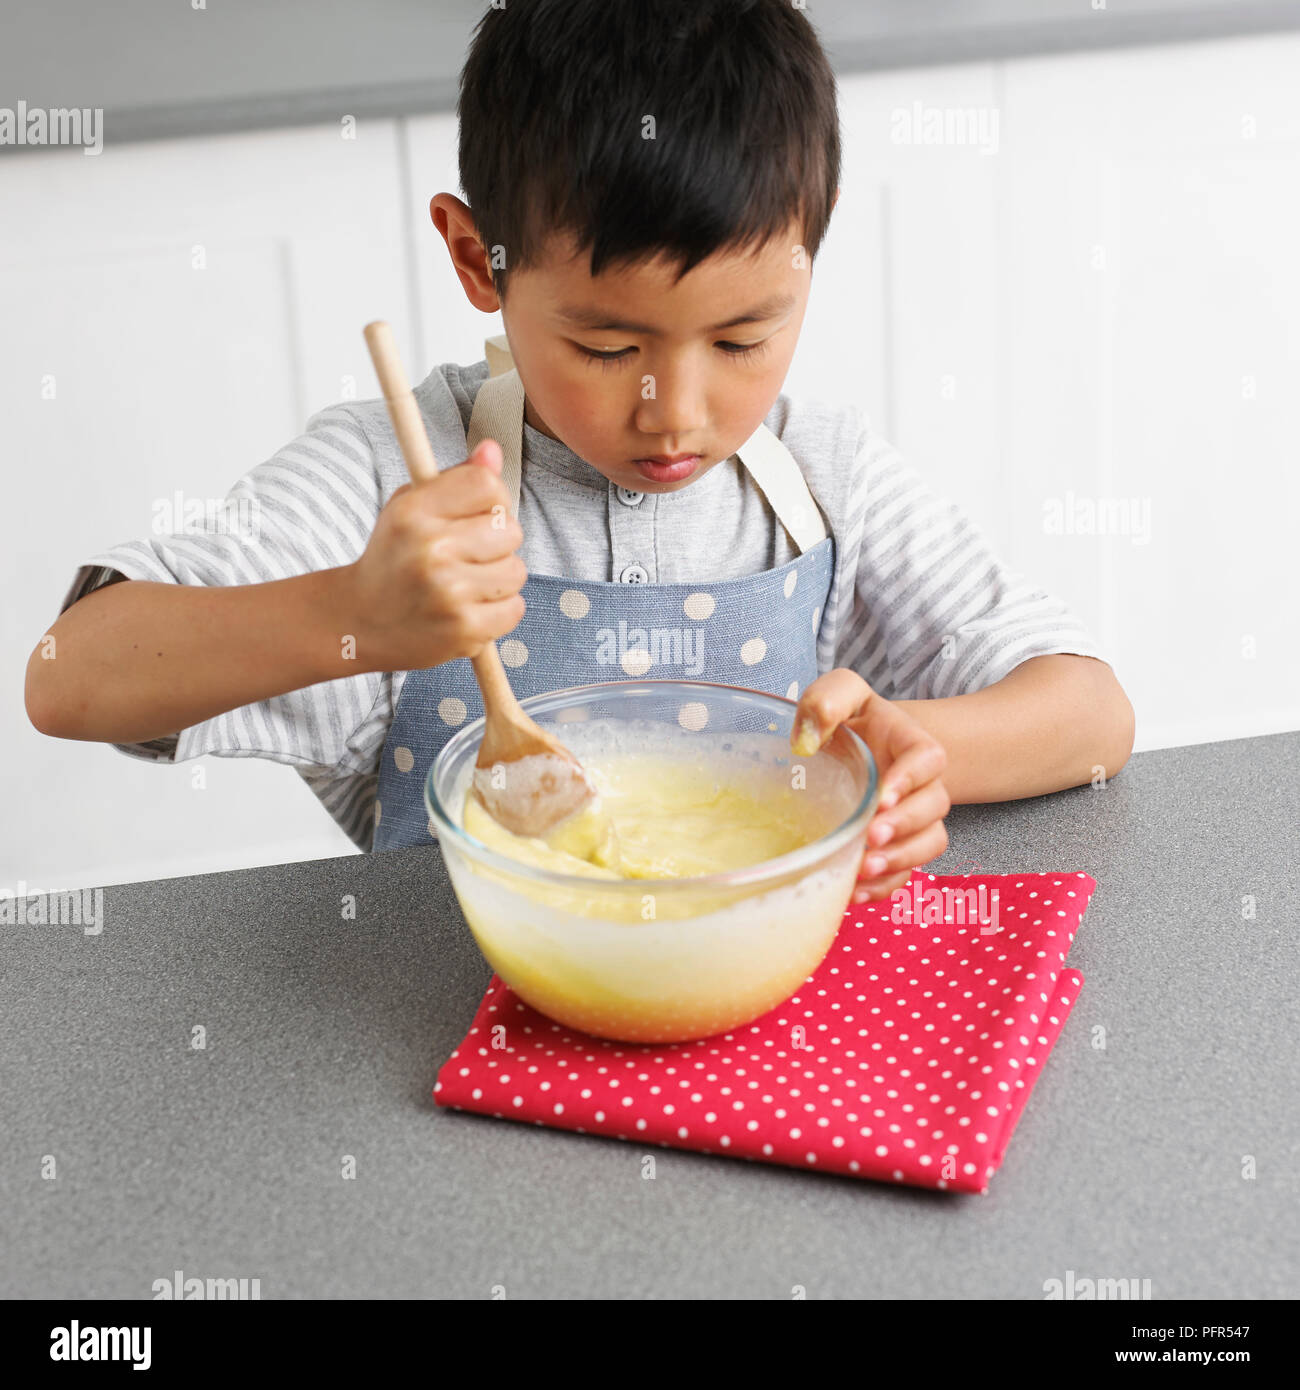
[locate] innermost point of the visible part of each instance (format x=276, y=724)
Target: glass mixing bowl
x=665, y=959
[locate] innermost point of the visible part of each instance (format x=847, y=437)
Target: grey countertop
x=324, y=1037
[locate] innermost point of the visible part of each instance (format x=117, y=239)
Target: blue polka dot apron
x=758, y=630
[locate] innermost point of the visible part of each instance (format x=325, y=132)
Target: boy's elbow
x=42, y=699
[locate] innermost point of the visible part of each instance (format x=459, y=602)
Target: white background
x=1103, y=302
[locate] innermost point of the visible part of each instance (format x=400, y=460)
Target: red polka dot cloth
x=907, y=1056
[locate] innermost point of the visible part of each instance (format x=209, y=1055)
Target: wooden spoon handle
x=495, y=684
x=408, y=425
x=413, y=439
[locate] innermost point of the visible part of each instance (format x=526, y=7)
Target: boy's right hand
x=439, y=578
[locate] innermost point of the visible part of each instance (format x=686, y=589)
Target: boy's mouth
x=667, y=468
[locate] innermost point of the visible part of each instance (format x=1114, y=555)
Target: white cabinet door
x=1148, y=227
x=901, y=320
x=176, y=310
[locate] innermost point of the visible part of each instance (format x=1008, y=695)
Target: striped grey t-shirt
x=919, y=605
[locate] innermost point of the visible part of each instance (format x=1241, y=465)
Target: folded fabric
x=907, y=1056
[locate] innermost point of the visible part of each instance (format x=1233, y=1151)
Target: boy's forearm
x=1045, y=726
x=135, y=661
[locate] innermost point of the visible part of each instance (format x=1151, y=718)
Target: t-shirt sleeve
x=935, y=613
x=311, y=506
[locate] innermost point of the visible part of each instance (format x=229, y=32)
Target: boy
x=648, y=184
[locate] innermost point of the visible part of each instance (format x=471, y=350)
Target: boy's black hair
x=554, y=97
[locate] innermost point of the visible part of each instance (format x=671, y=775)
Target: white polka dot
x=817, y=616
x=404, y=759
x=513, y=652
x=698, y=606
x=693, y=715
x=635, y=661
x=791, y=580
x=574, y=603
x=451, y=710
x=792, y=691
x=379, y=810
x=753, y=651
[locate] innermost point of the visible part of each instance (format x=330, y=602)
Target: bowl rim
x=791, y=862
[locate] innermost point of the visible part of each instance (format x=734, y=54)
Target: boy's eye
x=744, y=349
x=741, y=350
x=604, y=356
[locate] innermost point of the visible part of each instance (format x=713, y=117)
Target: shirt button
x=628, y=497
x=634, y=574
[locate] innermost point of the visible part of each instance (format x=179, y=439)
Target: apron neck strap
x=499, y=414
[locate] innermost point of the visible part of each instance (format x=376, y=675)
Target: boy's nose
x=675, y=414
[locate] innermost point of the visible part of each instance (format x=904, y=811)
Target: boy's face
x=682, y=376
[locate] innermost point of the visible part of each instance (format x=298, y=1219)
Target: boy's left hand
x=907, y=828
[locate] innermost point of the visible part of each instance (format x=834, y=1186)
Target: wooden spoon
x=527, y=780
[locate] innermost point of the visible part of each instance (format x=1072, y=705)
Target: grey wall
x=162, y=68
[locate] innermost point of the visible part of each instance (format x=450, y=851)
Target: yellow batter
x=674, y=821
x=686, y=961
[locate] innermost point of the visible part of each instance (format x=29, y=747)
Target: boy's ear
x=455, y=224
x=835, y=199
